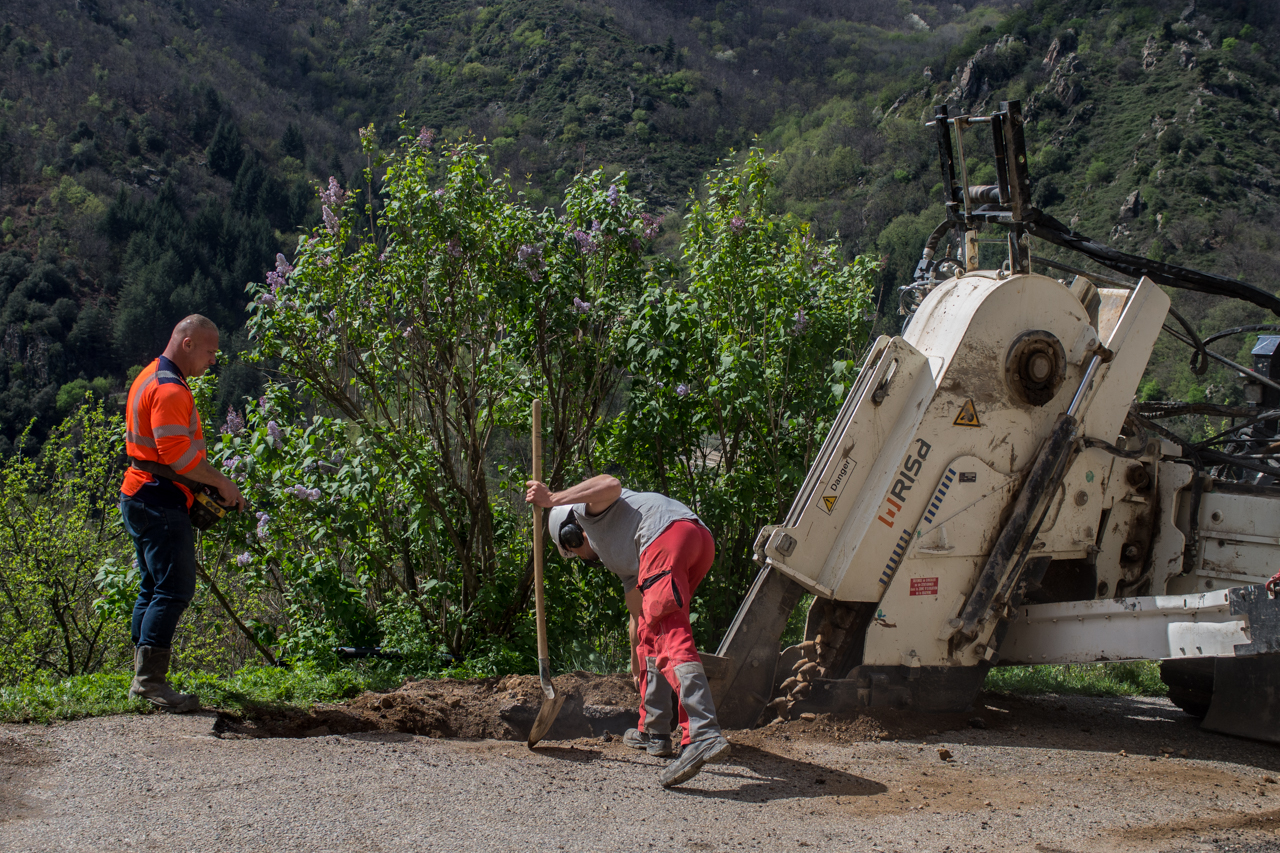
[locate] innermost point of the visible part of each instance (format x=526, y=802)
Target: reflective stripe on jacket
x=161, y=425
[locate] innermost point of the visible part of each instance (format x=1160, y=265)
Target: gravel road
x=1048, y=774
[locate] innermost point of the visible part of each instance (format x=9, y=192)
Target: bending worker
x=163, y=433
x=660, y=551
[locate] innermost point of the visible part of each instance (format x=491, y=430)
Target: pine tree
x=292, y=143
x=225, y=151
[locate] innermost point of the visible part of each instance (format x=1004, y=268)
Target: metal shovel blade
x=550, y=706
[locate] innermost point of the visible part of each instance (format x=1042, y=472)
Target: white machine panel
x=1148, y=628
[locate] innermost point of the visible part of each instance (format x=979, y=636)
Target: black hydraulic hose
x=1045, y=227
x=1200, y=358
x=1226, y=433
x=931, y=248
x=1240, y=330
x=1198, y=457
x=1157, y=409
x=1115, y=451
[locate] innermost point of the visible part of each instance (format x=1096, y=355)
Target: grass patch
x=46, y=699
x=1127, y=678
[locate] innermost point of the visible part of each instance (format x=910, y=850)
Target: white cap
x=555, y=519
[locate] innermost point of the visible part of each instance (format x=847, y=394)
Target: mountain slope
x=154, y=156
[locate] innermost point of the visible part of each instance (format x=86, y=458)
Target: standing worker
x=660, y=551
x=163, y=435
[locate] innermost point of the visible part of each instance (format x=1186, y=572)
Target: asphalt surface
x=1070, y=774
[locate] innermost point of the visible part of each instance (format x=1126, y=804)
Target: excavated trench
x=500, y=708
x=595, y=706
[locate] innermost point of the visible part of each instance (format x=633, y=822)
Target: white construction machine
x=991, y=494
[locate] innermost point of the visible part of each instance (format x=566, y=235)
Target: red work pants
x=671, y=569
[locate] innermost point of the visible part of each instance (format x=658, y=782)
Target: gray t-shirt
x=620, y=534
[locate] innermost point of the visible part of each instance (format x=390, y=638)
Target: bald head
x=193, y=346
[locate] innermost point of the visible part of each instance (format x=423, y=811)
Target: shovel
x=551, y=706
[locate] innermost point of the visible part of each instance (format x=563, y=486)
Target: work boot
x=712, y=750
x=151, y=668
x=658, y=745
x=658, y=715
x=707, y=744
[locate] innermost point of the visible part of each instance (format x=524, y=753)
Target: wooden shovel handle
x=537, y=535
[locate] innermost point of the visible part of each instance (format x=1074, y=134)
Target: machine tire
x=1190, y=684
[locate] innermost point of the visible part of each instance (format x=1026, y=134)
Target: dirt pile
x=595, y=705
x=501, y=708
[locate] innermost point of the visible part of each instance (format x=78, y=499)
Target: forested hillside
x=155, y=156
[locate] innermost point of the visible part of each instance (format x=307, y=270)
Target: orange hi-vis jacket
x=162, y=425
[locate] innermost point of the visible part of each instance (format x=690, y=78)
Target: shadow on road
x=775, y=777
x=1152, y=728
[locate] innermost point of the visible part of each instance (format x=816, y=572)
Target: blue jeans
x=166, y=547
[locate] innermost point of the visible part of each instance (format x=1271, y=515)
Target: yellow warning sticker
x=968, y=416
x=830, y=501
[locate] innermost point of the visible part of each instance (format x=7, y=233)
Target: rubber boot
x=656, y=737
x=707, y=744
x=150, y=681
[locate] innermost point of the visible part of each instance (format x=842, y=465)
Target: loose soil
x=596, y=706
x=499, y=708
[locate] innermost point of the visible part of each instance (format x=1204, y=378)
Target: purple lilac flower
x=334, y=195
x=276, y=278
x=737, y=224
x=230, y=464
x=234, y=423
x=330, y=221
x=651, y=225
x=426, y=137
x=580, y=306
x=277, y=435
x=267, y=300
x=801, y=322
x=313, y=494
x=612, y=195
x=682, y=390
x=244, y=559
x=595, y=226
x=262, y=531
x=454, y=247
x=585, y=244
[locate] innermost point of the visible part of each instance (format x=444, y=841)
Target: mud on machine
x=991, y=494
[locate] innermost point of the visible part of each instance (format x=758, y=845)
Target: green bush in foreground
x=1127, y=678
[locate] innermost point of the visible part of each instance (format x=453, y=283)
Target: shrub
x=739, y=368
x=58, y=526
x=426, y=331
x=1099, y=172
